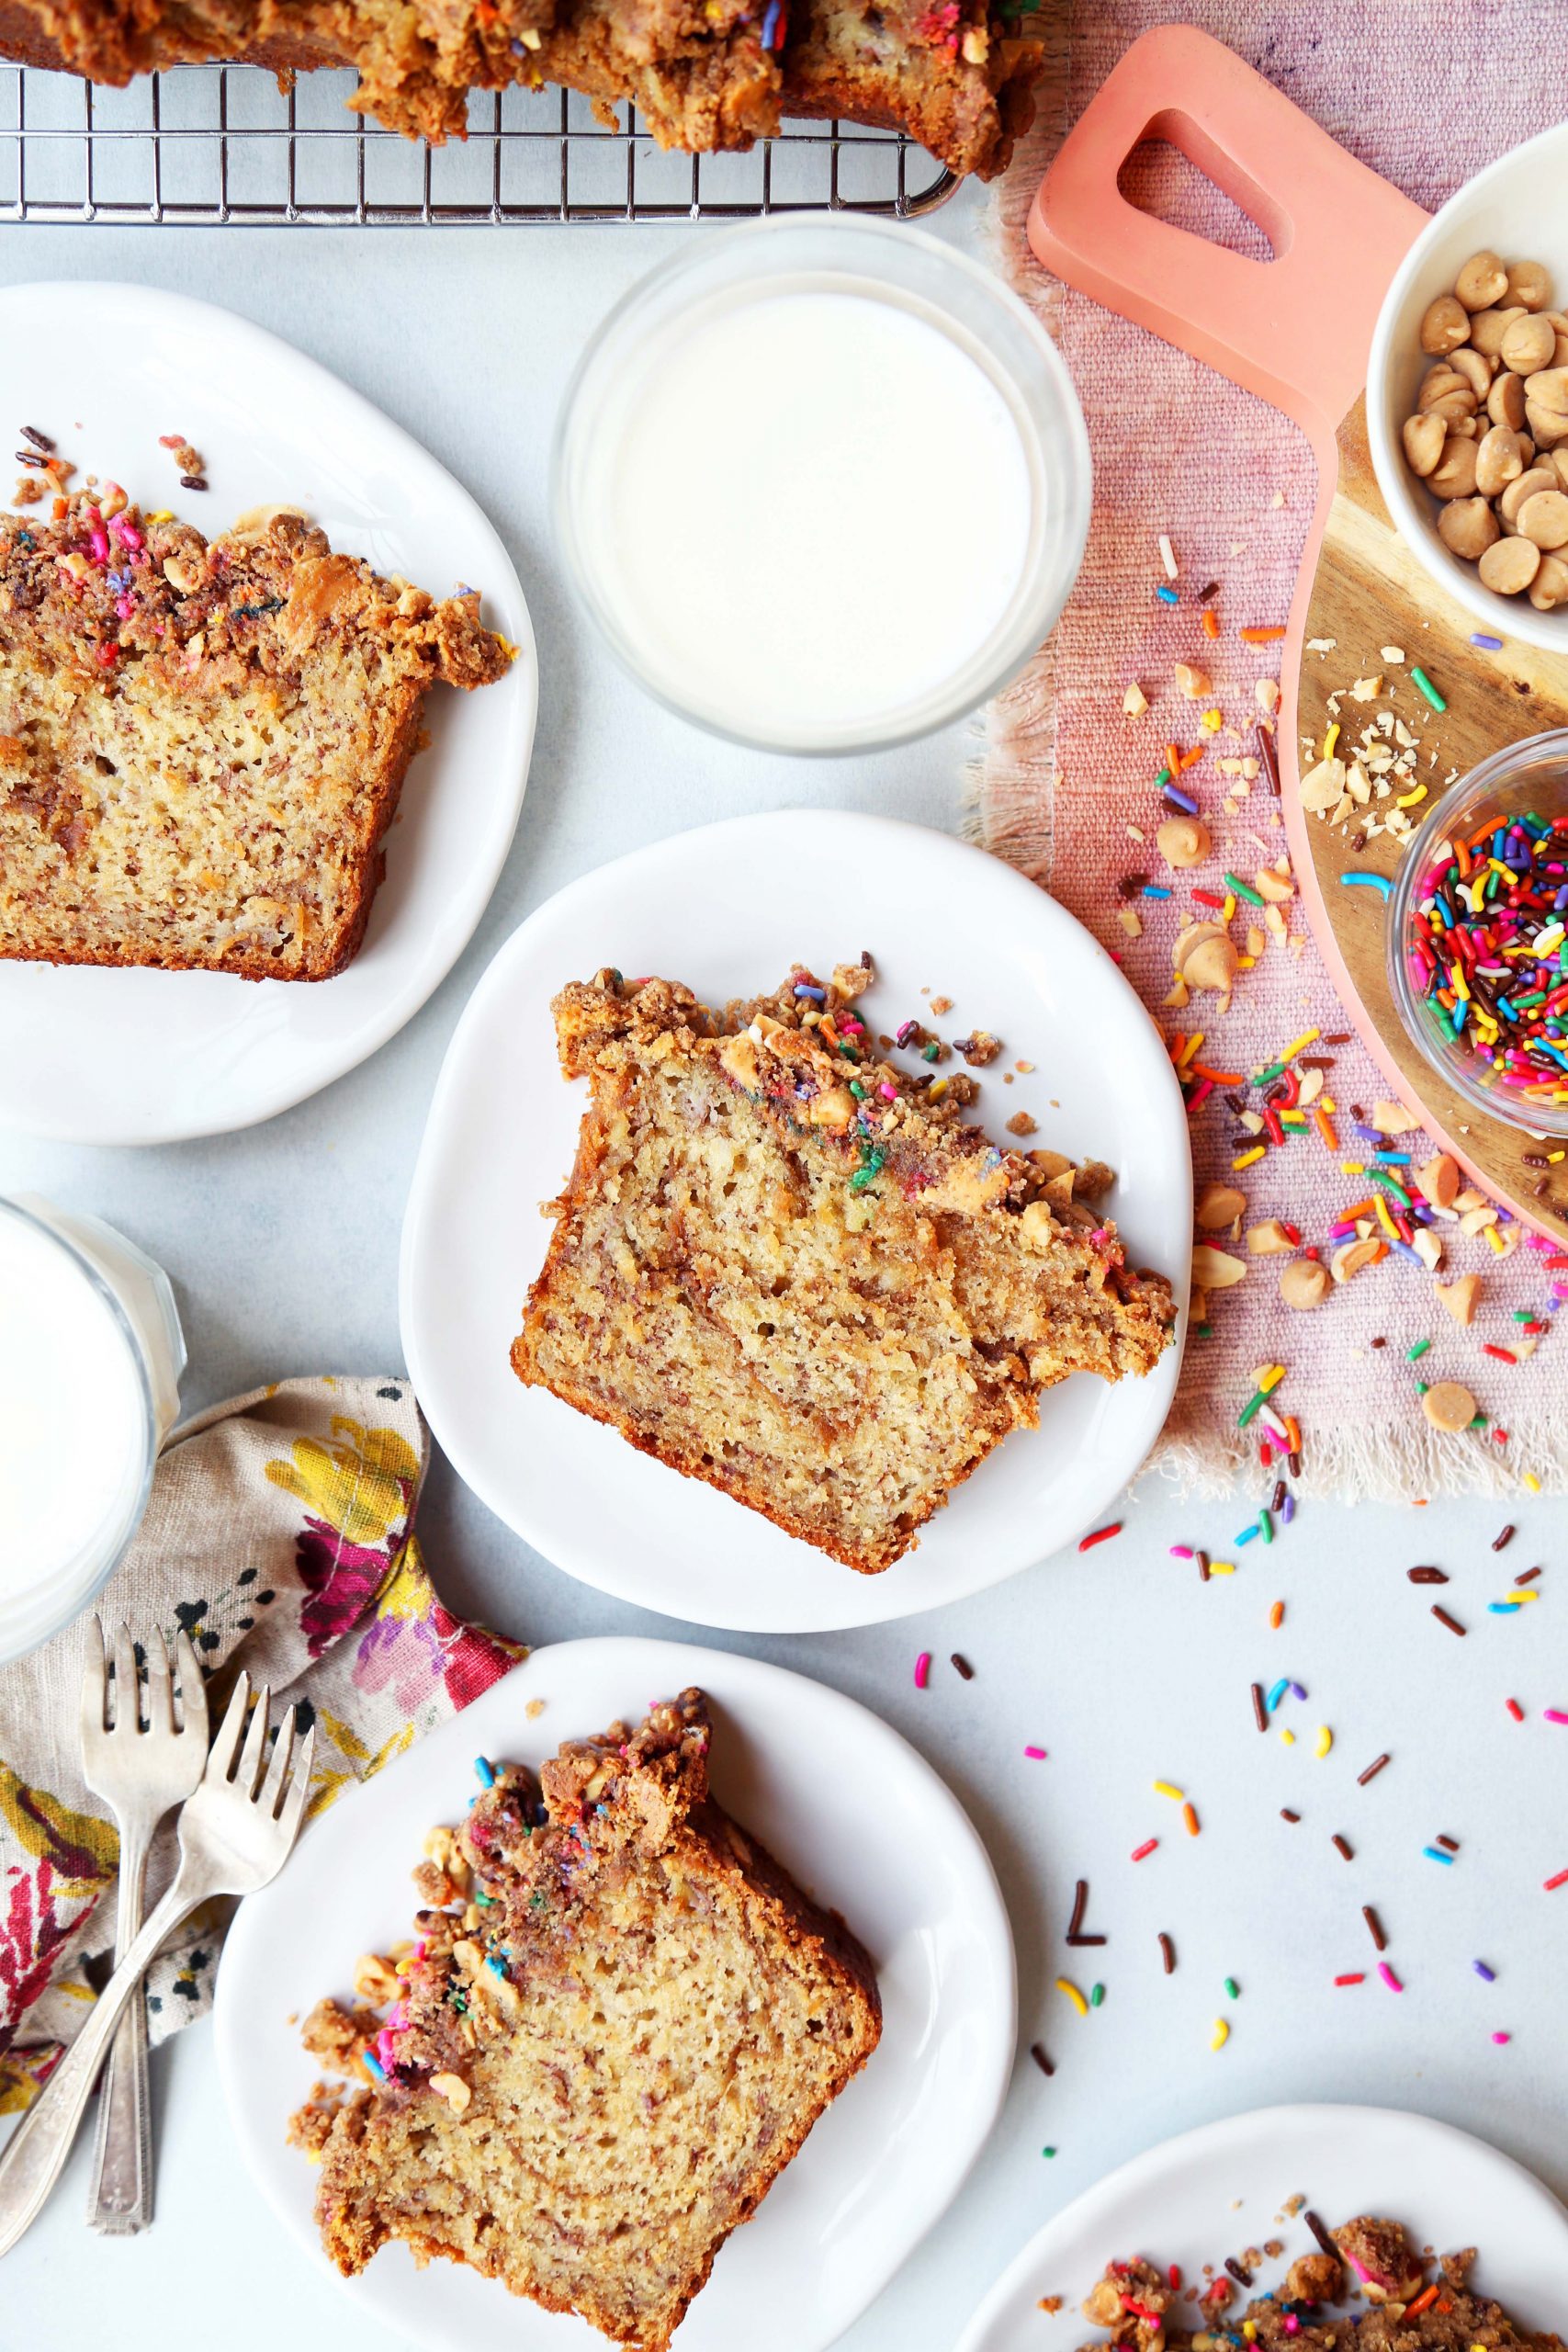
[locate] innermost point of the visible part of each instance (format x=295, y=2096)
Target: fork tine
x=276, y=1771
x=193, y=1688
x=298, y=1794
x=95, y=1684
x=253, y=1753
x=127, y=1682
x=160, y=1691
x=223, y=1754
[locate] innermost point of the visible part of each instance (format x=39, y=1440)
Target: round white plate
x=900, y=1860
x=1179, y=2203
x=728, y=910
x=94, y=1056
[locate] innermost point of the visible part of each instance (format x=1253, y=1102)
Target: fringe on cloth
x=1384, y=1462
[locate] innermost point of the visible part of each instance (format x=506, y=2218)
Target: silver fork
x=235, y=1833
x=142, y=1774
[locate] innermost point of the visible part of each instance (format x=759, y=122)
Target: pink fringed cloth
x=1177, y=450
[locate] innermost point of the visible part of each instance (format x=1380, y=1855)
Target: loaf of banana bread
x=202, y=745
x=620, y=2023
x=956, y=74
x=784, y=1266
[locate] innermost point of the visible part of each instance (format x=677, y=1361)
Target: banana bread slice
x=956, y=74
x=620, y=2023
x=202, y=746
x=780, y=1266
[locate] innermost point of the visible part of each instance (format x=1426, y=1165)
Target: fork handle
x=34, y=2155
x=119, y=2202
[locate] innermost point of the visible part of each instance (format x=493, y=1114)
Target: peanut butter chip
x=1304, y=1284
x=1449, y=1406
x=454, y=2090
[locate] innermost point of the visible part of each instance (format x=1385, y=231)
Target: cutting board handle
x=1295, y=330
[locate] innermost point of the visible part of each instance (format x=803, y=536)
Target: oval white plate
x=899, y=1858
x=93, y=1055
x=1179, y=2203
x=728, y=909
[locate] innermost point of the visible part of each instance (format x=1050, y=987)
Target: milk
x=90, y=1357
x=812, y=508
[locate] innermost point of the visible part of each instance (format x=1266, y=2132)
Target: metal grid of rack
x=207, y=146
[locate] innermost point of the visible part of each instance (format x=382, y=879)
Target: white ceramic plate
x=1514, y=208
x=727, y=910
x=899, y=1859
x=1178, y=2203
x=144, y=1057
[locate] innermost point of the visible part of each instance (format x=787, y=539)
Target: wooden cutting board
x=1297, y=330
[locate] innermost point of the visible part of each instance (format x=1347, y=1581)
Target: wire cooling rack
x=214, y=146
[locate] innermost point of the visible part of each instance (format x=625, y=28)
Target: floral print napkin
x=279, y=1536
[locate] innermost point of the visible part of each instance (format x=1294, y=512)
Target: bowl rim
x=1437, y=822
x=1504, y=616
x=1011, y=648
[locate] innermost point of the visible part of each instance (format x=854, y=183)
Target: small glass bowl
x=1528, y=778
x=141, y=1312
x=914, y=272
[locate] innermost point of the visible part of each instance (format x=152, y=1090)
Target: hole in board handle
x=1176, y=174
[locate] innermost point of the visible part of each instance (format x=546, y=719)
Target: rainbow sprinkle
x=1486, y=950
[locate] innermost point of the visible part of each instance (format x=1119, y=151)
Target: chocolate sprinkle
x=1320, y=2233
x=1501, y=1543
x=961, y=1666
x=1374, y=1926
x=1238, y=2271
x=193, y=482
x=1342, y=1848
x=1371, y=1771
x=1286, y=1814
x=1527, y=1576
x=1425, y=1576
x=1037, y=2053
x=1451, y=1622
x=1260, y=1712
x=1075, y=1926
x=1449, y=1845
x=1167, y=1954
x=42, y=441
x=1279, y=1494
x=1202, y=1560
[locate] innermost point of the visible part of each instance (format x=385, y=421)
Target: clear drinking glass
x=913, y=272
x=82, y=1429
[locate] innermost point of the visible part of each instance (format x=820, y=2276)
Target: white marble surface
x=282, y=1244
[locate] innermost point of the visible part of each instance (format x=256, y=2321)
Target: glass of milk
x=91, y=1355
x=823, y=485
